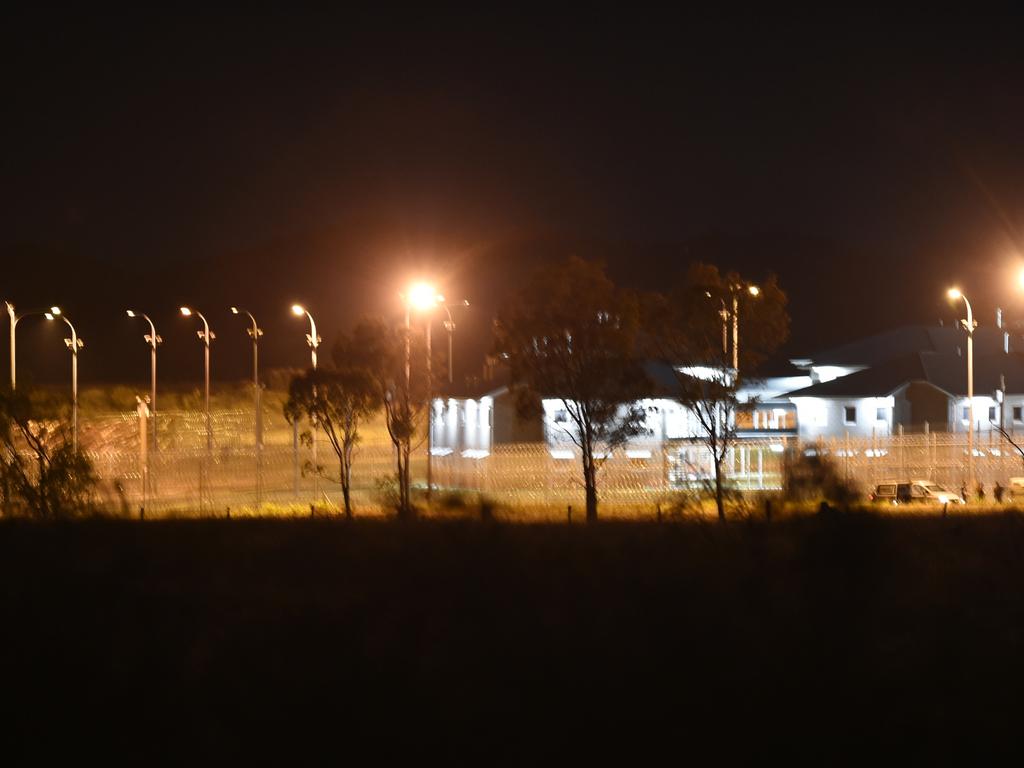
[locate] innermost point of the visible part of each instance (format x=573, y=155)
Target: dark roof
x=909, y=340
x=945, y=371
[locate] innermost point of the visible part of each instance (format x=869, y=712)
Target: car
x=914, y=492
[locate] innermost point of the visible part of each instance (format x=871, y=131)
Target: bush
x=814, y=476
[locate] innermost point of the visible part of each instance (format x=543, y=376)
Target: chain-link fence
x=182, y=476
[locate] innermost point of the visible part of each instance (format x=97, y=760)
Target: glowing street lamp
x=152, y=339
x=954, y=294
x=423, y=298
x=14, y=320
x=205, y=336
x=74, y=344
x=753, y=291
x=314, y=343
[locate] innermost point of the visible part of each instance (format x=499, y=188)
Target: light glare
x=186, y=311
x=131, y=313
x=234, y=310
x=298, y=310
x=55, y=311
x=754, y=290
x=954, y=293
x=423, y=296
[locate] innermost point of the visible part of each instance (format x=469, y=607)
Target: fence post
x=295, y=458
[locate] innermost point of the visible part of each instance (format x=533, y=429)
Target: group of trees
x=569, y=333
x=378, y=367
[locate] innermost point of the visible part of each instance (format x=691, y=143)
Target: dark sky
x=211, y=159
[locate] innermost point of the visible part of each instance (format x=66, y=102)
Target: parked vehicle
x=915, y=492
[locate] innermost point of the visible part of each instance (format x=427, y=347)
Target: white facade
x=820, y=417
x=463, y=425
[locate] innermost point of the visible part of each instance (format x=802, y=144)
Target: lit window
x=850, y=414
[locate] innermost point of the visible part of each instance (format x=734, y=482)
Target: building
x=911, y=379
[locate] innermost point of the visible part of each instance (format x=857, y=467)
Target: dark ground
x=203, y=641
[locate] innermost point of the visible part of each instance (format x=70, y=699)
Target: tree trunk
x=719, y=499
x=590, y=483
x=346, y=480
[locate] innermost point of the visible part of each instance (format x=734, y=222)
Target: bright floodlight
x=754, y=290
x=48, y=315
x=234, y=310
x=423, y=296
x=954, y=293
x=186, y=311
x=55, y=311
x=131, y=313
x=298, y=310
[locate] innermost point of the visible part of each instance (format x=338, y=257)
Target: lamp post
x=955, y=294
x=205, y=336
x=15, y=319
x=735, y=290
x=314, y=342
x=73, y=344
x=255, y=332
x=424, y=298
x=152, y=339
x=449, y=326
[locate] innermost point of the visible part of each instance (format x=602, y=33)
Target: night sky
x=214, y=160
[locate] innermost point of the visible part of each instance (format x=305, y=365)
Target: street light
x=152, y=339
x=205, y=336
x=954, y=294
x=74, y=344
x=314, y=342
x=422, y=297
x=736, y=289
x=449, y=325
x=255, y=332
x=15, y=319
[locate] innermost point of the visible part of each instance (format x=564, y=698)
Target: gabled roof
x=909, y=340
x=945, y=371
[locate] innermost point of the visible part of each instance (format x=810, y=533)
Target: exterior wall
x=826, y=417
x=509, y=427
x=923, y=403
x=461, y=425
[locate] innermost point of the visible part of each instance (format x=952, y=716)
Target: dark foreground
x=196, y=641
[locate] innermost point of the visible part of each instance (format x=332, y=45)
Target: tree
x=41, y=474
x=692, y=329
x=336, y=399
x=378, y=348
x=571, y=335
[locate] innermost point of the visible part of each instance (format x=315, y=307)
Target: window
x=1018, y=413
x=850, y=414
x=992, y=413
x=881, y=414
x=965, y=413
x=561, y=416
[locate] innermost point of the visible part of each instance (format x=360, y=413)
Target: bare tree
x=692, y=328
x=571, y=335
x=337, y=400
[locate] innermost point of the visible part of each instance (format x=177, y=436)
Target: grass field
x=202, y=640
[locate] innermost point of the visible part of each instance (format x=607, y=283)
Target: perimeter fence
x=181, y=476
